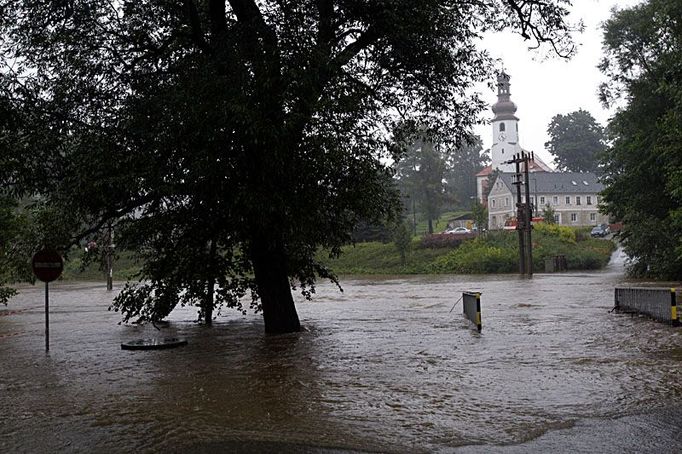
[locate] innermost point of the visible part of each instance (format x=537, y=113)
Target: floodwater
x=385, y=366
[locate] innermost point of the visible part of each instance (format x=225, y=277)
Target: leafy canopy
x=643, y=167
x=225, y=141
x=576, y=141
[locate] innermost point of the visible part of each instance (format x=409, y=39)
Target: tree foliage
x=576, y=141
x=420, y=175
x=548, y=214
x=463, y=162
x=226, y=141
x=643, y=167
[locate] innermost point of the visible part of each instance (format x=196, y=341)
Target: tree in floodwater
x=576, y=141
x=226, y=141
x=643, y=166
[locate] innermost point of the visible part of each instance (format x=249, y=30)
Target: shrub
x=477, y=257
x=440, y=240
x=564, y=233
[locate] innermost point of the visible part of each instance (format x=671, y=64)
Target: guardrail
x=471, y=303
x=658, y=303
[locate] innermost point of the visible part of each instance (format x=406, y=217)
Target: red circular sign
x=47, y=265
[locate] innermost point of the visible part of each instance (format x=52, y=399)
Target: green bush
x=563, y=232
x=476, y=257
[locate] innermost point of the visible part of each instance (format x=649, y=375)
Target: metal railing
x=658, y=303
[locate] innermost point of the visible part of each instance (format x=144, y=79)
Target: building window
x=557, y=219
x=593, y=217
x=493, y=203
x=542, y=200
x=577, y=200
x=506, y=201
x=502, y=127
x=555, y=200
x=568, y=200
x=574, y=217
x=589, y=200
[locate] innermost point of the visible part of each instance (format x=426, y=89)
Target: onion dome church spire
x=505, y=126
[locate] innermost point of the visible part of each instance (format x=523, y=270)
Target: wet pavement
x=382, y=367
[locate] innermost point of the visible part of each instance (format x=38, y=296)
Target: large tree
x=226, y=141
x=643, y=167
x=576, y=141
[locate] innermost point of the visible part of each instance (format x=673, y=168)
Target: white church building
x=573, y=196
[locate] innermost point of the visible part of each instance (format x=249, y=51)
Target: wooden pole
x=47, y=317
x=529, y=217
x=520, y=217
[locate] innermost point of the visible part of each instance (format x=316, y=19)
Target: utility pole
x=523, y=211
x=110, y=258
x=529, y=215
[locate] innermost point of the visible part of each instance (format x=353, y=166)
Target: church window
x=493, y=203
x=542, y=200
x=577, y=200
x=574, y=217
x=506, y=201
x=589, y=200
x=502, y=126
x=503, y=151
x=568, y=200
x=517, y=127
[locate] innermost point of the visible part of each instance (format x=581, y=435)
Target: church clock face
x=502, y=137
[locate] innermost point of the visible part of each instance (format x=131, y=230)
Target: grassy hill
x=494, y=252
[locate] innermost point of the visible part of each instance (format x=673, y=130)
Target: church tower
x=505, y=127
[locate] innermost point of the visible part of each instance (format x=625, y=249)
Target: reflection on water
x=383, y=366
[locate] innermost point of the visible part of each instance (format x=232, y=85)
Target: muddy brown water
x=382, y=367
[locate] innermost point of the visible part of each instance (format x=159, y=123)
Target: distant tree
x=402, y=238
x=548, y=214
x=480, y=214
x=576, y=141
x=462, y=163
x=643, y=167
x=228, y=140
x=420, y=174
x=490, y=181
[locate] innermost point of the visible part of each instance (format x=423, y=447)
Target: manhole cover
x=153, y=344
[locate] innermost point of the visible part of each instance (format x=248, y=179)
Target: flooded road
x=382, y=367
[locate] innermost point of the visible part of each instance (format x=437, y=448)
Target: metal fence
x=658, y=303
x=471, y=302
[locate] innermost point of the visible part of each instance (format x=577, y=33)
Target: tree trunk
x=430, y=225
x=279, y=311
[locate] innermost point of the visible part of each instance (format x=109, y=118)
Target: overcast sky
x=541, y=87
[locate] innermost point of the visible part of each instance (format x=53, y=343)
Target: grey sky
x=543, y=87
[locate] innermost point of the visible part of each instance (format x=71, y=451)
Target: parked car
x=600, y=231
x=458, y=230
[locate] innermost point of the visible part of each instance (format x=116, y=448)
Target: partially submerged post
x=47, y=266
x=471, y=305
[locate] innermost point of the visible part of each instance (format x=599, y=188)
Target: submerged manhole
x=153, y=344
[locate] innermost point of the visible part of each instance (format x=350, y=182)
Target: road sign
x=47, y=265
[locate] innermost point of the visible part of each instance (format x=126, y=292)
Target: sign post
x=47, y=266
